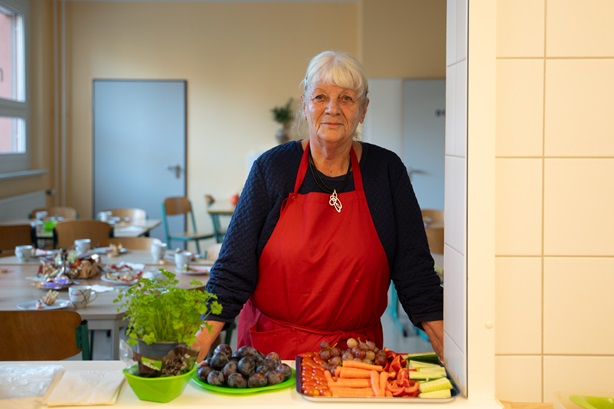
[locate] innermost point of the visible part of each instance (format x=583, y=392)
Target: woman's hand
x=204, y=338
x=434, y=329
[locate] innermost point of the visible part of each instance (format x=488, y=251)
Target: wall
x=554, y=198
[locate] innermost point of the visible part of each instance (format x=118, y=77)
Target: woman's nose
x=333, y=106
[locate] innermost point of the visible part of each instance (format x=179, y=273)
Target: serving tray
x=329, y=399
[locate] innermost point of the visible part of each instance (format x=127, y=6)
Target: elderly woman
x=322, y=227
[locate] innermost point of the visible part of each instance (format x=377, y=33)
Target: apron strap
x=302, y=170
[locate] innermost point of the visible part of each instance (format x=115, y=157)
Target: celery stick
x=437, y=384
x=427, y=373
x=418, y=364
x=441, y=394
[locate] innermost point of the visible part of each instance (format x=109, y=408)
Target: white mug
x=81, y=295
x=105, y=216
x=82, y=245
x=181, y=260
x=158, y=250
x=24, y=253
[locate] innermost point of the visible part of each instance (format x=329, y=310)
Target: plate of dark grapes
x=243, y=371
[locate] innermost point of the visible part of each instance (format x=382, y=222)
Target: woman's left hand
x=434, y=329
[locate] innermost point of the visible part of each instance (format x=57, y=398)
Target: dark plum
x=218, y=361
x=203, y=372
x=274, y=377
x=285, y=370
x=215, y=378
x=247, y=350
x=223, y=348
x=263, y=369
x=246, y=366
x=203, y=363
x=236, y=380
x=256, y=380
x=273, y=356
x=229, y=368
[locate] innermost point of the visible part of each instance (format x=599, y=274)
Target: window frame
x=16, y=162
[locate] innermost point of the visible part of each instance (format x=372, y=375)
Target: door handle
x=176, y=169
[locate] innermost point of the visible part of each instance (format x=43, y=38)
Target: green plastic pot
x=162, y=389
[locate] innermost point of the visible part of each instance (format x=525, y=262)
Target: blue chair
x=179, y=206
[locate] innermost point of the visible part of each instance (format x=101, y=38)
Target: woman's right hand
x=205, y=338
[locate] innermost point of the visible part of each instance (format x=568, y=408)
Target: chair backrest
x=432, y=217
x=130, y=214
x=43, y=335
x=174, y=206
x=67, y=231
x=435, y=237
x=177, y=205
x=56, y=211
x=134, y=243
x=14, y=235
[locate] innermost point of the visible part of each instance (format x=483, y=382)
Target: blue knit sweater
x=394, y=209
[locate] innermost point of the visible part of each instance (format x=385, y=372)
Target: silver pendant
x=335, y=202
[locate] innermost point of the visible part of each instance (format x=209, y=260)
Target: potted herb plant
x=283, y=115
x=163, y=319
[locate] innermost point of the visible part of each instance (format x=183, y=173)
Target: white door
x=139, y=145
x=423, y=152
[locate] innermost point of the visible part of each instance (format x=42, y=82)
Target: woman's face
x=333, y=113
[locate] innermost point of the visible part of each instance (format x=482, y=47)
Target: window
x=14, y=107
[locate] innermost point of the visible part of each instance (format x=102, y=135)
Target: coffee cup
x=105, y=216
x=181, y=260
x=82, y=245
x=81, y=295
x=24, y=253
x=158, y=250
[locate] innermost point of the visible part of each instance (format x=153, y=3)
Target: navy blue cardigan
x=394, y=209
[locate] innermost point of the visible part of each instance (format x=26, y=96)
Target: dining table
x=19, y=290
x=216, y=211
x=194, y=396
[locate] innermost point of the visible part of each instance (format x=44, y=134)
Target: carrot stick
x=351, y=383
x=361, y=365
x=375, y=383
x=354, y=373
x=337, y=371
x=343, y=392
x=383, y=380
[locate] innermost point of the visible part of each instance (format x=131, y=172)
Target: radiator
x=19, y=207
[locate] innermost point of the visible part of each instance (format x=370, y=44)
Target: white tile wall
x=554, y=198
x=519, y=305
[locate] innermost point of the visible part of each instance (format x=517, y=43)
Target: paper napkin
x=86, y=387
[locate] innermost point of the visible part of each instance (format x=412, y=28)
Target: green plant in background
x=159, y=311
x=283, y=114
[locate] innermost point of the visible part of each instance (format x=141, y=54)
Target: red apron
x=323, y=275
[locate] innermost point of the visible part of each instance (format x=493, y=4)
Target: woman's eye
x=320, y=97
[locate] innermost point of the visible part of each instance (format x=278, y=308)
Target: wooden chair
x=435, y=237
x=134, y=243
x=212, y=253
x=56, y=211
x=14, y=235
x=432, y=217
x=43, y=335
x=67, y=231
x=181, y=206
x=131, y=215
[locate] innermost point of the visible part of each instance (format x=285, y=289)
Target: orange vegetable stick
x=354, y=373
x=328, y=376
x=375, y=383
x=383, y=380
x=361, y=365
x=342, y=392
x=337, y=371
x=351, y=383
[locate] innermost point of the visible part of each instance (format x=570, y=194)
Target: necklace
x=333, y=199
